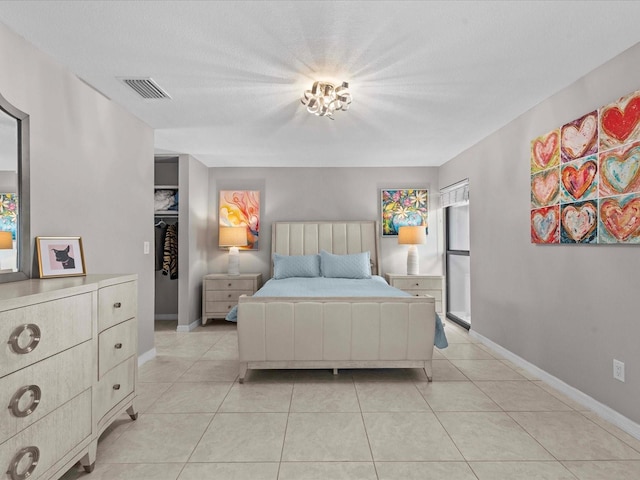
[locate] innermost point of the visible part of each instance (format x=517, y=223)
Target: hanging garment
x=170, y=258
x=160, y=231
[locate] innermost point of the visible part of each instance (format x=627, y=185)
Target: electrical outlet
x=618, y=370
x=145, y=248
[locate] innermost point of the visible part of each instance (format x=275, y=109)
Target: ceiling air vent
x=146, y=87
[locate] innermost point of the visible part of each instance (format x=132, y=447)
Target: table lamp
x=233, y=237
x=6, y=240
x=412, y=236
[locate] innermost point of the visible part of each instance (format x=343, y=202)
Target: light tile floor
x=481, y=418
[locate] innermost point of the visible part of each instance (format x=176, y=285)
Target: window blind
x=454, y=194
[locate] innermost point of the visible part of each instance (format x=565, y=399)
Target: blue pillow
x=285, y=266
x=354, y=265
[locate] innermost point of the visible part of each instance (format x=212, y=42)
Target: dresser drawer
x=115, y=345
x=229, y=284
x=115, y=385
x=53, y=437
x=35, y=332
x=116, y=304
x=43, y=387
x=419, y=283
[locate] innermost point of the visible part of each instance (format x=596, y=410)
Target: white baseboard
x=188, y=328
x=146, y=356
x=166, y=316
x=607, y=413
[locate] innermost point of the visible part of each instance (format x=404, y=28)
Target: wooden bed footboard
x=335, y=332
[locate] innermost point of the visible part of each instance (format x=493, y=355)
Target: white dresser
x=68, y=368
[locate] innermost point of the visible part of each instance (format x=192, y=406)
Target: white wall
x=324, y=194
x=192, y=246
x=91, y=168
x=569, y=310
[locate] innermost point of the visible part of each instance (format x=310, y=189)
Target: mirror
x=15, y=240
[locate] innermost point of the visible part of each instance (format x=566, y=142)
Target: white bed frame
x=334, y=332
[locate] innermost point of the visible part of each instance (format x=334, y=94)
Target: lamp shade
x=6, y=240
x=410, y=235
x=233, y=237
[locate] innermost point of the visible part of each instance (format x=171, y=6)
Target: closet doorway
x=455, y=200
x=166, y=198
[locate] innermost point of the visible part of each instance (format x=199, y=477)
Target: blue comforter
x=335, y=287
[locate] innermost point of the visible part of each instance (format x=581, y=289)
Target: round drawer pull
x=14, y=340
x=229, y=284
x=417, y=284
x=116, y=386
x=117, y=305
x=14, y=404
x=229, y=296
x=117, y=346
x=14, y=465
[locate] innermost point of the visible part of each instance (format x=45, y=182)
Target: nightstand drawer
x=220, y=307
x=226, y=295
x=419, y=283
x=229, y=284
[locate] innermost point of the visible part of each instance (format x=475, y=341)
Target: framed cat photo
x=60, y=257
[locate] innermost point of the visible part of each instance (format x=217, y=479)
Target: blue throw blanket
x=336, y=287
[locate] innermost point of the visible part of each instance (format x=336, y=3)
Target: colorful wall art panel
x=545, y=151
x=579, y=180
x=585, y=178
x=403, y=207
x=545, y=188
x=620, y=170
x=239, y=208
x=545, y=225
x=620, y=219
x=580, y=137
x=579, y=222
x=620, y=122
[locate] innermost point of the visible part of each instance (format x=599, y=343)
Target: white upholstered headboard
x=340, y=238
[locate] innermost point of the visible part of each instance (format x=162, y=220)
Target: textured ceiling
x=429, y=79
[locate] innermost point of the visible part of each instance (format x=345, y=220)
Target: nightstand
x=220, y=292
x=432, y=285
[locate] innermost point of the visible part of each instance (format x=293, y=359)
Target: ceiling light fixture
x=324, y=98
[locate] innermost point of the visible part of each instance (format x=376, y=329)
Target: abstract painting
x=403, y=207
x=592, y=193
x=241, y=208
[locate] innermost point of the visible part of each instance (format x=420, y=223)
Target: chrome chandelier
x=324, y=98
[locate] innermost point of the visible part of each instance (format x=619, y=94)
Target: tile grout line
x=366, y=432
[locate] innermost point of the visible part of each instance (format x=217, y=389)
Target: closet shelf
x=166, y=187
x=165, y=213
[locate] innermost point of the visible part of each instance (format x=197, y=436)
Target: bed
x=337, y=322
